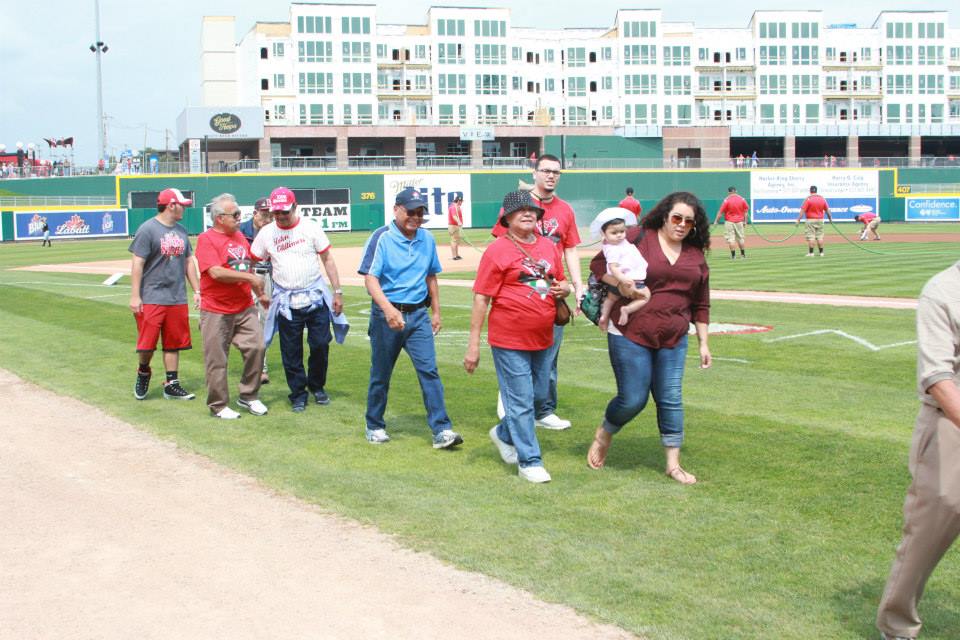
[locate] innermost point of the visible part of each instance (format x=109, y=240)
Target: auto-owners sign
x=777, y=195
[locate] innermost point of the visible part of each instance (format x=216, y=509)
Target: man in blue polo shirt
x=400, y=267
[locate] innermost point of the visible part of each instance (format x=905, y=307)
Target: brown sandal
x=680, y=475
x=598, y=450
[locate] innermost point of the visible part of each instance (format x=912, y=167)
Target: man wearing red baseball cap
x=301, y=297
x=158, y=294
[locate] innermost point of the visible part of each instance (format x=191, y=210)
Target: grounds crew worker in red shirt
x=814, y=207
x=631, y=204
x=734, y=211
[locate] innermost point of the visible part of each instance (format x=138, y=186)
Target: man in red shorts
x=814, y=208
x=158, y=293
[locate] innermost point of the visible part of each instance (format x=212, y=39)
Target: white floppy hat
x=611, y=213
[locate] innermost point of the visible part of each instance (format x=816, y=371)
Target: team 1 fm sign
x=329, y=207
x=438, y=190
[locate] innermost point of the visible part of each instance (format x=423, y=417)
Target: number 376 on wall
x=368, y=195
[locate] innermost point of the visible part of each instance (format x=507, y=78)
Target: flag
x=67, y=142
x=50, y=143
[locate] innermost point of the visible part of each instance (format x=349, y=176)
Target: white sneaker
x=537, y=475
x=501, y=412
x=377, y=436
x=553, y=421
x=508, y=452
x=255, y=407
x=227, y=414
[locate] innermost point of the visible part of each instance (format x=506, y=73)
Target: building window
x=645, y=29
x=645, y=84
x=774, y=56
x=517, y=53
x=607, y=83
x=263, y=53
x=676, y=56
x=576, y=57
x=490, y=54
x=576, y=87
x=316, y=83
x=356, y=52
x=264, y=84
x=279, y=81
x=676, y=85
x=490, y=28
x=450, y=53
x=487, y=84
x=640, y=54
x=452, y=84
x=314, y=51
x=450, y=27
x=280, y=112
x=356, y=83
x=548, y=85
x=355, y=25
x=314, y=24
x=766, y=114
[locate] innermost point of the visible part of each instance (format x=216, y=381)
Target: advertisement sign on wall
x=329, y=207
x=933, y=210
x=438, y=190
x=28, y=225
x=777, y=195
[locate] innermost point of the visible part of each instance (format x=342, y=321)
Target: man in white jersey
x=301, y=297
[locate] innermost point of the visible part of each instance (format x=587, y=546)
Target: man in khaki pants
x=227, y=312
x=931, y=511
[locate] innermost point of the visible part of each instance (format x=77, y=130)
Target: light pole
x=99, y=48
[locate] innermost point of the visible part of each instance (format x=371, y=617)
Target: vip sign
x=438, y=191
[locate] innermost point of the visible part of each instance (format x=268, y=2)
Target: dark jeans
x=416, y=338
x=317, y=324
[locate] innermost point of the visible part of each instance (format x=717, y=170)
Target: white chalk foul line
x=843, y=334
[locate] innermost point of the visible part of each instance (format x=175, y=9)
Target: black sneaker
x=142, y=386
x=173, y=391
x=321, y=397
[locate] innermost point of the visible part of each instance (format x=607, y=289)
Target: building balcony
x=730, y=94
x=714, y=67
x=399, y=64
x=409, y=94
x=847, y=94
x=865, y=65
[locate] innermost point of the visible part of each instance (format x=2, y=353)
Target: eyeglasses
x=550, y=172
x=676, y=218
x=419, y=212
x=235, y=215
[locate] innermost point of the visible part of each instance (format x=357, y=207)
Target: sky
x=48, y=85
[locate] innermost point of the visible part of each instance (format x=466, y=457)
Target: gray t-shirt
x=165, y=251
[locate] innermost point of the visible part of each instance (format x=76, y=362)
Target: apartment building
x=333, y=82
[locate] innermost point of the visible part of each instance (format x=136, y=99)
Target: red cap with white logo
x=282, y=199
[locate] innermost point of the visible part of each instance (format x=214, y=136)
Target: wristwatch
x=338, y=292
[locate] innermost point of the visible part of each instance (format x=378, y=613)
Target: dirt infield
x=107, y=532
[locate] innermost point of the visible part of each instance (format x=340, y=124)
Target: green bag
x=593, y=299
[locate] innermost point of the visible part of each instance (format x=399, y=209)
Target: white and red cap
x=282, y=199
x=173, y=196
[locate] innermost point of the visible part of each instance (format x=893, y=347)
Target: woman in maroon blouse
x=648, y=352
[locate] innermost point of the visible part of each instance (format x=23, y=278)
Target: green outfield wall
x=588, y=191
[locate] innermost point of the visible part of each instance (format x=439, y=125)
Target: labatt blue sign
x=28, y=225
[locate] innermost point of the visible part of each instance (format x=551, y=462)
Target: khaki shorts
x=454, y=231
x=874, y=224
x=813, y=230
x=733, y=231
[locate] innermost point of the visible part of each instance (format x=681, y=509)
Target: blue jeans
x=524, y=378
x=416, y=338
x=317, y=324
x=639, y=371
x=549, y=403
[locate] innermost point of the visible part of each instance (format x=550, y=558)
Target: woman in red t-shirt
x=521, y=276
x=647, y=352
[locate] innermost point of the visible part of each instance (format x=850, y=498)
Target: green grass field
x=800, y=446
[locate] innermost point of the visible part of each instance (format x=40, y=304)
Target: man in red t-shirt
x=814, y=208
x=558, y=224
x=227, y=312
x=871, y=222
x=734, y=211
x=631, y=204
x=454, y=224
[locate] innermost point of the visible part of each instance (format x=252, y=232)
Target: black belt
x=409, y=308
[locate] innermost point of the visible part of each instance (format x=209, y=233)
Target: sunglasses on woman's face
x=676, y=218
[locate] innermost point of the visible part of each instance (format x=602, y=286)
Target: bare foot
x=597, y=455
x=624, y=316
x=681, y=476
x=603, y=323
